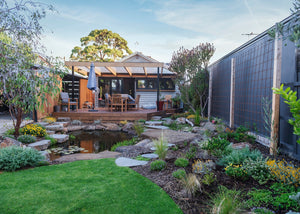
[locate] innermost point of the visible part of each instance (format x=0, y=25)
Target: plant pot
x=160, y=105
x=56, y=108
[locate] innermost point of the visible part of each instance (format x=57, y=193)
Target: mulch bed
x=199, y=203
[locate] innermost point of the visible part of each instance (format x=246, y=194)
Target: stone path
x=171, y=136
x=88, y=156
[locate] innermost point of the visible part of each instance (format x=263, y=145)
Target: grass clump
x=161, y=147
x=179, y=173
x=226, y=201
x=141, y=158
x=138, y=128
x=158, y=165
x=14, y=157
x=181, y=162
x=53, y=141
x=123, y=143
x=26, y=139
x=190, y=184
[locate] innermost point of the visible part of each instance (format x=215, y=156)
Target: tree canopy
x=101, y=45
x=24, y=86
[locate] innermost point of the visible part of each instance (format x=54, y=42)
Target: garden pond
x=88, y=142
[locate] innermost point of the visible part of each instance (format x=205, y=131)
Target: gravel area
x=7, y=123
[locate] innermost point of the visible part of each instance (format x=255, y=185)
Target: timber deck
x=107, y=116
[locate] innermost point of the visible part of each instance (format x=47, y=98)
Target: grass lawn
x=94, y=186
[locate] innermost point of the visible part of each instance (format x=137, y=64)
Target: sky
x=157, y=28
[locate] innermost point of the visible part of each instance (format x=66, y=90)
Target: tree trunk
x=19, y=115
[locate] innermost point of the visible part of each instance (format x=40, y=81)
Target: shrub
x=9, y=133
x=34, y=130
x=181, y=162
x=237, y=157
x=258, y=169
x=284, y=172
x=225, y=201
x=179, y=173
x=123, y=143
x=208, y=178
x=158, y=165
x=27, y=139
x=13, y=157
x=200, y=167
x=191, y=153
x=49, y=119
x=190, y=184
x=215, y=143
x=161, y=146
x=236, y=171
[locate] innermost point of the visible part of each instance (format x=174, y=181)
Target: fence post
x=209, y=93
x=276, y=97
x=232, y=94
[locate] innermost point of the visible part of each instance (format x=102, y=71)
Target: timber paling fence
x=241, y=80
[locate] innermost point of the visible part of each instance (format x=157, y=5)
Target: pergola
x=122, y=69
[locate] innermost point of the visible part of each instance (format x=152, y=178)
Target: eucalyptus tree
x=23, y=87
x=192, y=75
x=101, y=45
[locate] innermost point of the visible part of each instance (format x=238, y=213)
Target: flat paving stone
x=40, y=145
x=154, y=123
x=129, y=162
x=169, y=145
x=43, y=123
x=157, y=127
x=150, y=155
x=63, y=119
x=175, y=137
x=60, y=137
x=55, y=127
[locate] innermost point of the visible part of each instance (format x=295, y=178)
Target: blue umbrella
x=92, y=84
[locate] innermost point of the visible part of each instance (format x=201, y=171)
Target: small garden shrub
x=27, y=139
x=13, y=157
x=179, y=173
x=161, y=146
x=226, y=201
x=34, y=130
x=258, y=169
x=190, y=184
x=9, y=133
x=123, y=143
x=191, y=153
x=200, y=167
x=237, y=157
x=158, y=165
x=208, y=178
x=236, y=171
x=49, y=119
x=277, y=196
x=181, y=162
x=284, y=172
x=123, y=122
x=216, y=143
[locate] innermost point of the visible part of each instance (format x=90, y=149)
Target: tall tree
x=101, y=45
x=192, y=74
x=24, y=88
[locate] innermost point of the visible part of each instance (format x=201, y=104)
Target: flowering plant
x=34, y=130
x=236, y=171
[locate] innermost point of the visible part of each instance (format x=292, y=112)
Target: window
x=148, y=84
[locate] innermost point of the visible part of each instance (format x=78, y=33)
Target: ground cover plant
x=124, y=143
x=94, y=186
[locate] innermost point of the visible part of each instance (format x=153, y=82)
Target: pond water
x=88, y=142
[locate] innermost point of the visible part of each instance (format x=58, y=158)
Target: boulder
x=147, y=143
x=55, y=127
x=167, y=121
x=50, y=132
x=43, y=123
x=99, y=127
x=128, y=127
x=154, y=123
x=90, y=128
x=12, y=142
x=40, y=145
x=181, y=120
x=75, y=128
x=46, y=155
x=241, y=145
x=61, y=138
x=111, y=127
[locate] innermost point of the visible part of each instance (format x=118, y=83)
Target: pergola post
x=232, y=94
x=157, y=99
x=73, y=83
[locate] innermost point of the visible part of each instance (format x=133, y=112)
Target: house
x=135, y=74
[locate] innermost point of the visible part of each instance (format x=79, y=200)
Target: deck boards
x=106, y=116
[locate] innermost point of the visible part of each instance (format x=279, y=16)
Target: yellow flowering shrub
x=284, y=172
x=236, y=171
x=123, y=122
x=192, y=116
x=49, y=119
x=33, y=130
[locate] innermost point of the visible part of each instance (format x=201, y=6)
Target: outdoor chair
x=117, y=102
x=134, y=104
x=167, y=101
x=65, y=100
x=107, y=100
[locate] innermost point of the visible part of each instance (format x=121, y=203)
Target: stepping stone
x=55, y=127
x=43, y=123
x=150, y=155
x=40, y=145
x=157, y=127
x=156, y=118
x=63, y=119
x=129, y=162
x=60, y=137
x=64, y=124
x=154, y=123
x=75, y=128
x=50, y=132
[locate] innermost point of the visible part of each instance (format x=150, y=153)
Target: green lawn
x=94, y=186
